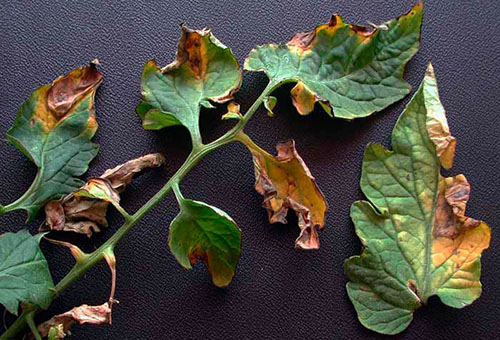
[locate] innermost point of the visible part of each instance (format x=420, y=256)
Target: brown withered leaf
x=286, y=182
x=123, y=174
x=83, y=314
x=84, y=210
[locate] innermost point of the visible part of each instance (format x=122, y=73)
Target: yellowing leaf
x=53, y=128
x=350, y=70
x=233, y=111
x=417, y=240
x=285, y=182
x=84, y=210
x=204, y=70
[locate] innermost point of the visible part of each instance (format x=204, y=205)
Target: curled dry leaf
x=83, y=314
x=417, y=240
x=351, y=71
x=84, y=210
x=53, y=129
x=285, y=182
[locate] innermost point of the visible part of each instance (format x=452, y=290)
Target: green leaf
x=53, y=129
x=417, y=240
x=24, y=272
x=347, y=68
x=201, y=231
x=269, y=104
x=204, y=70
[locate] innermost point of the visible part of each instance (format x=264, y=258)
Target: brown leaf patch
x=286, y=183
x=77, y=213
x=83, y=314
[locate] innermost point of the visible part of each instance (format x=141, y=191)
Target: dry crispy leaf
x=417, y=240
x=123, y=174
x=84, y=210
x=83, y=314
x=286, y=182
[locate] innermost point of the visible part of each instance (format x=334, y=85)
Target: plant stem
x=198, y=152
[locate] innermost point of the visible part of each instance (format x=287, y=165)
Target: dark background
x=278, y=293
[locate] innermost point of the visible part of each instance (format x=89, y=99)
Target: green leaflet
x=201, y=231
x=346, y=68
x=204, y=70
x=53, y=129
x=24, y=272
x=417, y=240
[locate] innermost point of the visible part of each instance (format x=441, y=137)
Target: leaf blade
x=417, y=240
x=344, y=67
x=53, y=128
x=201, y=231
x=24, y=272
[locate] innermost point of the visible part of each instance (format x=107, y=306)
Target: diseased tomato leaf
x=352, y=71
x=53, y=129
x=201, y=231
x=24, y=272
x=59, y=325
x=417, y=240
x=204, y=70
x=285, y=182
x=84, y=210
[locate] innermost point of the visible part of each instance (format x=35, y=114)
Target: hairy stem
x=199, y=151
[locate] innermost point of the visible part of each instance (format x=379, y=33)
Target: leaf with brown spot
x=204, y=70
x=53, y=129
x=417, y=240
x=84, y=314
x=203, y=232
x=352, y=71
x=285, y=182
x=84, y=210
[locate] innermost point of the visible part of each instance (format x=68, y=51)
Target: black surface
x=278, y=293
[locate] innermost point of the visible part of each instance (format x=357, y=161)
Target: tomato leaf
x=53, y=129
x=285, y=182
x=417, y=240
x=204, y=70
x=352, y=71
x=24, y=272
x=59, y=325
x=84, y=210
x=201, y=231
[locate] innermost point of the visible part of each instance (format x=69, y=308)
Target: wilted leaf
x=286, y=183
x=269, y=104
x=233, y=112
x=24, y=272
x=204, y=70
x=417, y=240
x=53, y=129
x=84, y=210
x=351, y=69
x=84, y=314
x=201, y=231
